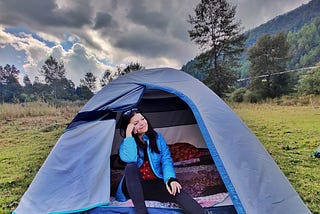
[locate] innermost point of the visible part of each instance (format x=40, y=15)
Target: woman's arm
x=128, y=147
x=172, y=184
x=166, y=160
x=128, y=150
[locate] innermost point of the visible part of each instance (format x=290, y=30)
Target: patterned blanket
x=205, y=201
x=195, y=170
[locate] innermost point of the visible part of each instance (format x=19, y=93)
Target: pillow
x=187, y=162
x=183, y=151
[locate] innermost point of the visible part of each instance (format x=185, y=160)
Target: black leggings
x=140, y=190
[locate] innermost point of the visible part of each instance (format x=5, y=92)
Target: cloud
x=140, y=14
x=30, y=48
x=11, y=56
x=92, y=36
x=142, y=43
x=156, y=31
x=104, y=20
x=253, y=13
x=78, y=60
x=38, y=13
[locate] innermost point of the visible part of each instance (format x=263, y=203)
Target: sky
x=99, y=35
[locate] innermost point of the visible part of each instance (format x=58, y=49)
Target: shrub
x=252, y=96
x=237, y=95
x=310, y=82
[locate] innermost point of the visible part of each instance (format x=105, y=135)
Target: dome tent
x=76, y=175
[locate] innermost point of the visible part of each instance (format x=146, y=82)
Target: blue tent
x=76, y=175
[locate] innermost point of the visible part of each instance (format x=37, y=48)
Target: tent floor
x=130, y=210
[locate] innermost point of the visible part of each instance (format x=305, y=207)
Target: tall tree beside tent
x=216, y=31
x=268, y=58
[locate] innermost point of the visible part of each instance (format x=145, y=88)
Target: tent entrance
x=169, y=115
x=193, y=163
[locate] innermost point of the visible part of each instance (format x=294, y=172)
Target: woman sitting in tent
x=149, y=172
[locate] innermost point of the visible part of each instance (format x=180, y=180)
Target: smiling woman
x=149, y=172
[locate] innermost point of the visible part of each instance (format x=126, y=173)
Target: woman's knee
x=132, y=165
x=131, y=168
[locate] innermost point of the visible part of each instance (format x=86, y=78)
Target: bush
x=252, y=97
x=310, y=82
x=246, y=95
x=237, y=95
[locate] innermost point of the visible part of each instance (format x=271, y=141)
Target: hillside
x=290, y=21
x=297, y=23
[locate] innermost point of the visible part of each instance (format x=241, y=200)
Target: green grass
x=27, y=135
x=24, y=145
x=289, y=133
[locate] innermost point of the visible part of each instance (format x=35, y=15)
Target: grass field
x=27, y=134
x=289, y=133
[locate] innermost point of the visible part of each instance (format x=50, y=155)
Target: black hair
x=151, y=133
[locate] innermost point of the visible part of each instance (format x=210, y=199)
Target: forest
x=56, y=87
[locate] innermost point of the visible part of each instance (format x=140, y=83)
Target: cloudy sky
x=96, y=35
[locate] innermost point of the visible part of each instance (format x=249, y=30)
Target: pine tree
x=53, y=70
x=89, y=81
x=218, y=34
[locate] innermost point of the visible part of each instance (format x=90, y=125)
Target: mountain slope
x=290, y=21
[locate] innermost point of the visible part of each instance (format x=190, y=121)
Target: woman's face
x=140, y=124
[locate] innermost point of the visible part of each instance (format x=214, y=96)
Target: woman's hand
x=130, y=130
x=175, y=187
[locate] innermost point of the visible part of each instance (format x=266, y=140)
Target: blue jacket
x=161, y=164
